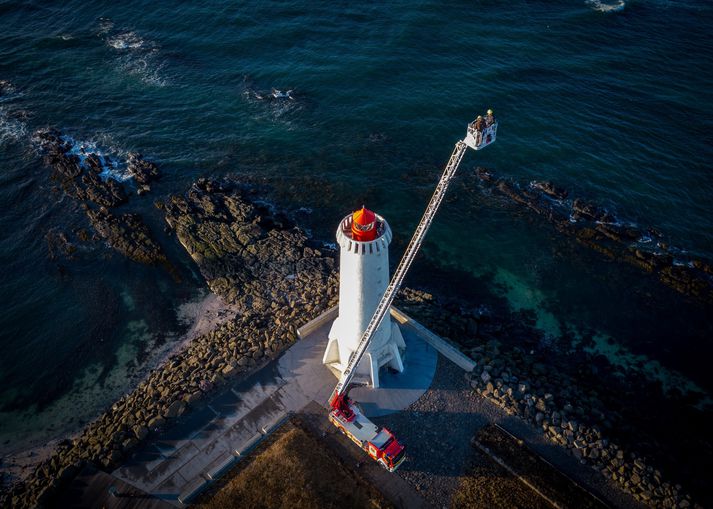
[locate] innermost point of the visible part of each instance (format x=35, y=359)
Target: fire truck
x=379, y=443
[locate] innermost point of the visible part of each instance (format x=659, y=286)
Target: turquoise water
x=609, y=99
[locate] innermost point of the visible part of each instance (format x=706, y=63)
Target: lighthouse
x=363, y=239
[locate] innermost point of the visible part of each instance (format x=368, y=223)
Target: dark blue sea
x=612, y=100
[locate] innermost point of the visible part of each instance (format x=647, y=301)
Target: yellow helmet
x=479, y=117
x=490, y=112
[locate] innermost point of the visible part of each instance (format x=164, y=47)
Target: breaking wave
x=604, y=6
x=125, y=40
x=113, y=160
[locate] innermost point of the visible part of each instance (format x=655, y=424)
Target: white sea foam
x=136, y=55
x=7, y=89
x=112, y=159
x=126, y=40
x=105, y=26
x=11, y=129
x=269, y=108
x=607, y=6
x=148, y=68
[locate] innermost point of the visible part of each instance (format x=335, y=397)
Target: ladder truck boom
x=403, y=267
x=343, y=412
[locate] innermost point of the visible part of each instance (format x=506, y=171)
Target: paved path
x=93, y=488
x=206, y=442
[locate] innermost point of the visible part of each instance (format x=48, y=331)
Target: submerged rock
x=550, y=189
x=58, y=244
x=595, y=227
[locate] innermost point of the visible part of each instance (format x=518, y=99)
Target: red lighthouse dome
x=363, y=225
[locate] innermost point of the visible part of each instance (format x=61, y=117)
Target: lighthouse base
x=389, y=354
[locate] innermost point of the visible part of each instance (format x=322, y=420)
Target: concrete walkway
x=94, y=488
x=204, y=444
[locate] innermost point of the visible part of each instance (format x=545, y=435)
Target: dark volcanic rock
x=106, y=193
x=248, y=256
x=82, y=181
x=79, y=180
x=585, y=210
x=143, y=171
x=128, y=234
x=66, y=164
x=550, y=189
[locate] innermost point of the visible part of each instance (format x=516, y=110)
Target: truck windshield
x=395, y=460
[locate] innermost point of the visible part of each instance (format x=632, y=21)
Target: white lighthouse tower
x=363, y=238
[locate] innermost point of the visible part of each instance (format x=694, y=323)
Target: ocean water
x=612, y=100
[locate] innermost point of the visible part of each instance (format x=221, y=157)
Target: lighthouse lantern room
x=363, y=238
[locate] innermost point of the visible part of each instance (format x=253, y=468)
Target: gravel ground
x=437, y=430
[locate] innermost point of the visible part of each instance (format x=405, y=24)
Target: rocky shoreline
x=543, y=393
x=250, y=256
x=599, y=229
x=201, y=316
x=286, y=283
x=519, y=394
x=276, y=279
x=79, y=173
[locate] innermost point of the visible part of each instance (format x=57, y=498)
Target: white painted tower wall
x=363, y=278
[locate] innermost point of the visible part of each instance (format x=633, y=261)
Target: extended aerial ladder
x=479, y=135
